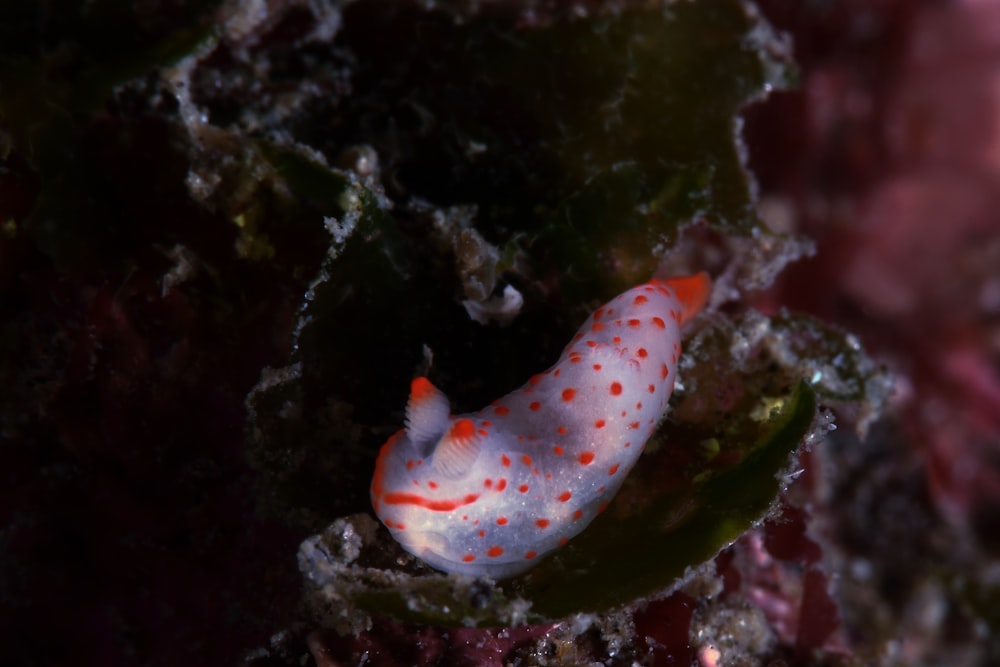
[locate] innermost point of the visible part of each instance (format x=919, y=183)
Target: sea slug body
x=491, y=492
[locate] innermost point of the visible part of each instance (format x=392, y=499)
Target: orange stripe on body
x=428, y=503
x=379, y=476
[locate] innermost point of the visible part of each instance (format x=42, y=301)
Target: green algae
x=590, y=141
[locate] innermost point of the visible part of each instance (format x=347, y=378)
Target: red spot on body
x=613, y=469
x=599, y=423
x=501, y=410
x=523, y=488
x=563, y=541
x=468, y=558
x=526, y=459
x=575, y=358
x=617, y=340
x=664, y=371
x=556, y=374
x=432, y=485
x=633, y=425
x=561, y=430
x=568, y=394
x=577, y=514
x=502, y=484
x=652, y=389
x=591, y=343
x=659, y=323
x=634, y=322
x=616, y=388
x=586, y=458
x=598, y=313
x=502, y=521
x=530, y=554
x=597, y=367
x=558, y=450
x=487, y=424
x=505, y=461
x=495, y=551
x=638, y=406
x=534, y=406
x=535, y=379
x=409, y=464
x=482, y=533
x=488, y=483
x=542, y=523
x=564, y=496
x=483, y=431
x=602, y=507
x=597, y=326
x=642, y=353
x=639, y=299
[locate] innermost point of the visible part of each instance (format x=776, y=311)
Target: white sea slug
x=491, y=492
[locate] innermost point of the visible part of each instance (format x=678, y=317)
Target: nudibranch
x=491, y=492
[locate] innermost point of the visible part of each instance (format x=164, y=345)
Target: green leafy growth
x=638, y=113
x=588, y=141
